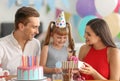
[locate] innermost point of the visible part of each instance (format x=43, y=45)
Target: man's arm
x=1, y=54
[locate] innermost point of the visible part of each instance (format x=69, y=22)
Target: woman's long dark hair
x=101, y=29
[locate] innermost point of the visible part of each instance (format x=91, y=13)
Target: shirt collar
x=14, y=40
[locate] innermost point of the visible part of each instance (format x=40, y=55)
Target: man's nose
x=37, y=31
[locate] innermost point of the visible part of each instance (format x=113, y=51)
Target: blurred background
x=77, y=12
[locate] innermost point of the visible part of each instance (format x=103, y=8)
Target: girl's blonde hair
x=61, y=31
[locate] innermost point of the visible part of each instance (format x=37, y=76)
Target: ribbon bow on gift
x=74, y=58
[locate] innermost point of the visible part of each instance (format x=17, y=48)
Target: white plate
x=15, y=79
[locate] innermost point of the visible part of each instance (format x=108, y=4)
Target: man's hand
x=10, y=77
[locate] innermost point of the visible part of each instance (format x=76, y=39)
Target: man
x=21, y=40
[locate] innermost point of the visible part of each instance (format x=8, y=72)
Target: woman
x=100, y=54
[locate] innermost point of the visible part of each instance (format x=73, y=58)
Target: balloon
x=118, y=36
x=85, y=7
x=67, y=16
x=113, y=21
x=75, y=19
x=82, y=25
x=105, y=7
x=118, y=6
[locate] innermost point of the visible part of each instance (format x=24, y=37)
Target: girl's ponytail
x=48, y=35
x=71, y=41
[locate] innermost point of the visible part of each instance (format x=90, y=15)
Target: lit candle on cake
x=30, y=61
x=28, y=70
x=33, y=60
x=37, y=60
x=26, y=63
x=23, y=62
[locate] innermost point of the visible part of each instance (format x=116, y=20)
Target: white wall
x=7, y=14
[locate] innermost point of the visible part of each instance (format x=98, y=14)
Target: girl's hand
x=89, y=70
x=74, y=71
x=57, y=70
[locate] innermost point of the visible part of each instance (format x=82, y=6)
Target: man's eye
x=35, y=27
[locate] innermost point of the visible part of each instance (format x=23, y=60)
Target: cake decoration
x=58, y=64
x=30, y=61
x=30, y=69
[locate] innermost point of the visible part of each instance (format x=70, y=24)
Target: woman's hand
x=89, y=70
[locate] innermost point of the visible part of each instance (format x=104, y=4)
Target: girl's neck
x=56, y=46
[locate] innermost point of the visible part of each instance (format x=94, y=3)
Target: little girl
x=59, y=33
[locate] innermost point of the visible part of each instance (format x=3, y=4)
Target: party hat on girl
x=60, y=22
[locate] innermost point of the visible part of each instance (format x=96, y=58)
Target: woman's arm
x=114, y=60
x=83, y=51
x=89, y=70
x=113, y=56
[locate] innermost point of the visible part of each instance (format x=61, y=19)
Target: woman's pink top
x=98, y=60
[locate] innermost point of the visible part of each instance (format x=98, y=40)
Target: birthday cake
x=30, y=69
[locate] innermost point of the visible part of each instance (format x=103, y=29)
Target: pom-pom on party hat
x=60, y=22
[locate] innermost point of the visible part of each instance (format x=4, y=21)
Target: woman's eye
x=88, y=34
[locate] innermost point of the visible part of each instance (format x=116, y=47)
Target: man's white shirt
x=11, y=52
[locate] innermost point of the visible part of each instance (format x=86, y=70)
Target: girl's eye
x=70, y=51
x=58, y=37
x=65, y=37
